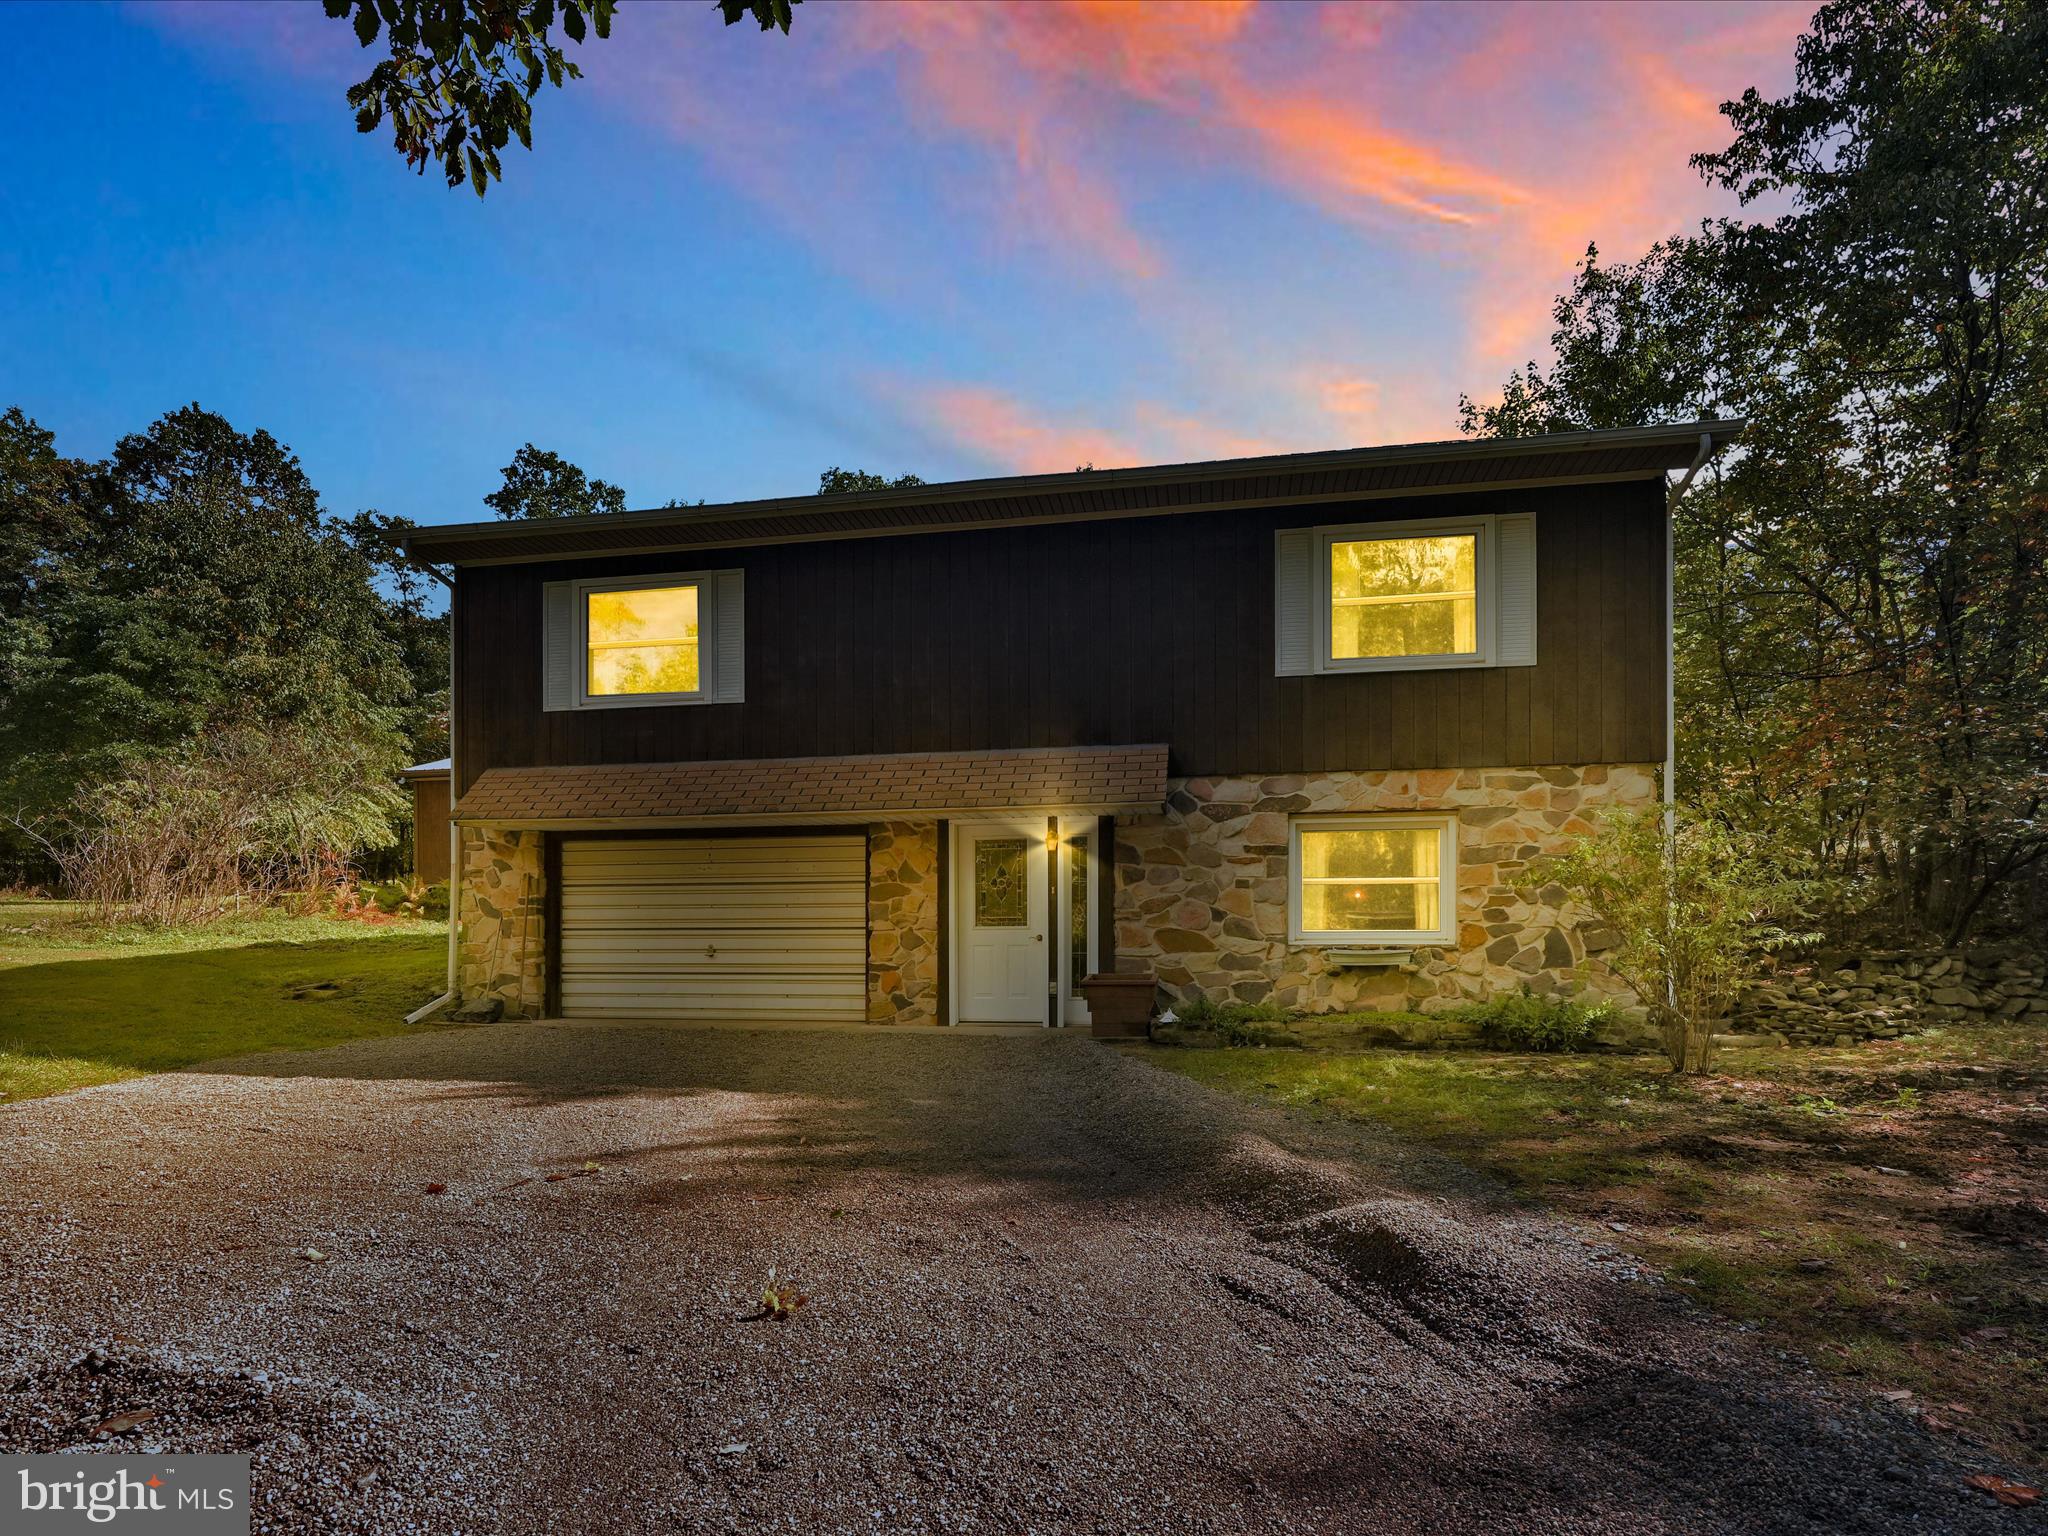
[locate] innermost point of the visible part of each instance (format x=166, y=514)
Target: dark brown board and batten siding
x=1099, y=632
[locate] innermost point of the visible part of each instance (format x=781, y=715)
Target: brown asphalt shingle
x=1124, y=777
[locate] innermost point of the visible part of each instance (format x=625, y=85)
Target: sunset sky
x=955, y=239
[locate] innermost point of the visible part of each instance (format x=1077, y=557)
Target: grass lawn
x=81, y=1004
x=1879, y=1210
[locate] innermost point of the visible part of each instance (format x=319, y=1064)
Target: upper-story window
x=634, y=641
x=1404, y=596
x=641, y=640
x=1371, y=597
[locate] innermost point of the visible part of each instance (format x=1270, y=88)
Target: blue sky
x=958, y=241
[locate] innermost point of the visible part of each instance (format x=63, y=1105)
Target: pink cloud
x=1483, y=147
x=1002, y=430
x=999, y=428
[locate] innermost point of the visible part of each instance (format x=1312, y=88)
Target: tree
x=769, y=13
x=1863, y=619
x=460, y=81
x=543, y=484
x=835, y=481
x=188, y=587
x=1694, y=915
x=462, y=75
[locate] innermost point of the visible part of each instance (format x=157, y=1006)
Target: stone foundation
x=501, y=950
x=1202, y=891
x=903, y=923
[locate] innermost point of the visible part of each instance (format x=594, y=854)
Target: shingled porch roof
x=821, y=790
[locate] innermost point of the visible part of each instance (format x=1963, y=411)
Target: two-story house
x=1279, y=728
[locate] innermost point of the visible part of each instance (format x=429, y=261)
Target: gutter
x=1021, y=487
x=453, y=994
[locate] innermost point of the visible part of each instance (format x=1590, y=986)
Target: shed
x=429, y=783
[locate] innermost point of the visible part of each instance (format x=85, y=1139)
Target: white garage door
x=733, y=928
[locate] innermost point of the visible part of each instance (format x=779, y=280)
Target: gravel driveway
x=1051, y=1289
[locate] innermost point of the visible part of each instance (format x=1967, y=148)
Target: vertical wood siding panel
x=1142, y=629
x=1572, y=654
x=1496, y=729
x=1517, y=735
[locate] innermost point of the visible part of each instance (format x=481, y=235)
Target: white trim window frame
x=1445, y=825
x=706, y=589
x=1485, y=605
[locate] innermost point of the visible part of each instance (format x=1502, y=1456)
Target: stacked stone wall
x=501, y=950
x=1881, y=995
x=903, y=923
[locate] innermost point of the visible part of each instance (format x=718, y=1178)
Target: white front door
x=999, y=880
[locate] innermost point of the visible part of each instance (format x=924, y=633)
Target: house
x=1277, y=728
x=430, y=805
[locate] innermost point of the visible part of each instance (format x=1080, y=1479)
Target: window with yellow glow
x=1404, y=597
x=641, y=641
x=1361, y=878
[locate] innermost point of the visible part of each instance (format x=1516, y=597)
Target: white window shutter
x=1515, y=629
x=1294, y=602
x=728, y=683
x=560, y=641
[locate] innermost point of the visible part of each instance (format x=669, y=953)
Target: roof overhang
x=1352, y=474
x=820, y=791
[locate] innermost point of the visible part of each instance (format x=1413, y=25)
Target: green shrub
x=1238, y=1024
x=410, y=898
x=1523, y=1021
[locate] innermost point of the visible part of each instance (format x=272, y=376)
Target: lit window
x=1374, y=879
x=642, y=641
x=1404, y=596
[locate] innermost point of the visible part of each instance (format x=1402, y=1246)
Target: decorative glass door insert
x=1001, y=895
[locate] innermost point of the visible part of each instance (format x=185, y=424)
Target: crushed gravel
x=1048, y=1289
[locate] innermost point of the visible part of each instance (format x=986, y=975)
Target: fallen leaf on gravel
x=2012, y=1495
x=121, y=1423
x=313, y=1255
x=437, y=1189
x=779, y=1301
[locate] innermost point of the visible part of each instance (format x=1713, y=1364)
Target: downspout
x=453, y=993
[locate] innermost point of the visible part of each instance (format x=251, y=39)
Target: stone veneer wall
x=903, y=923
x=1201, y=896
x=502, y=948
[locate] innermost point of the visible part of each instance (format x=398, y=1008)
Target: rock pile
x=1839, y=1000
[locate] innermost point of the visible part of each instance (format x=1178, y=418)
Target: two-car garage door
x=734, y=928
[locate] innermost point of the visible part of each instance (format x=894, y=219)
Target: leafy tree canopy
x=770, y=14
x=835, y=480
x=1863, y=619
x=462, y=75
x=543, y=484
x=188, y=585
